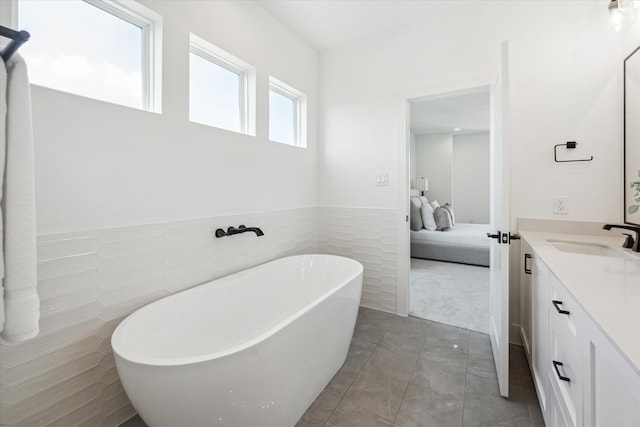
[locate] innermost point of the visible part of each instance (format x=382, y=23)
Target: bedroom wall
x=434, y=159
x=412, y=159
x=565, y=84
x=470, y=178
x=457, y=167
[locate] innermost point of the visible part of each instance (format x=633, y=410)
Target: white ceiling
x=470, y=112
x=325, y=24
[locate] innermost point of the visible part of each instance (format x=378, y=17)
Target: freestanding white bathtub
x=251, y=349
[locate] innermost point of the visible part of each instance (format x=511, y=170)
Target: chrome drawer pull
x=563, y=378
x=556, y=304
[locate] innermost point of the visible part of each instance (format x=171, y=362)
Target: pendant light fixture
x=621, y=11
x=615, y=15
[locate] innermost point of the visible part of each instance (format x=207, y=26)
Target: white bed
x=464, y=243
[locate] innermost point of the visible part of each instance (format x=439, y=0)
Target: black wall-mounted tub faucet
x=241, y=229
x=635, y=247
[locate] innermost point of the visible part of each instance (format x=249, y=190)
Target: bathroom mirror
x=632, y=138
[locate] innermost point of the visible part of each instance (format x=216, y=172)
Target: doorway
x=499, y=208
x=449, y=171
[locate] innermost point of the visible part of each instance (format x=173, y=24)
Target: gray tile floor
x=410, y=372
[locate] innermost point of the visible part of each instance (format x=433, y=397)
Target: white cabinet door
x=525, y=297
x=612, y=389
x=540, y=364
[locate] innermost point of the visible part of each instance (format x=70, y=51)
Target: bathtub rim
x=116, y=337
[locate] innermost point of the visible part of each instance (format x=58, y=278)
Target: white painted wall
x=457, y=167
x=101, y=165
x=470, y=178
x=434, y=159
x=565, y=84
x=413, y=183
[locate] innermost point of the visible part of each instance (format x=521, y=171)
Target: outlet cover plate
x=560, y=205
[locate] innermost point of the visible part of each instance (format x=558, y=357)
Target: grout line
x=351, y=383
x=404, y=395
x=466, y=373
x=378, y=345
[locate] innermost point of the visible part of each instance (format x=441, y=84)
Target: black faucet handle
x=628, y=241
x=635, y=247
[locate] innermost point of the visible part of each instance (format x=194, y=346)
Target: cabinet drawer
x=558, y=414
x=564, y=316
x=565, y=377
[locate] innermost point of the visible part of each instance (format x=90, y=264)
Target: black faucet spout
x=636, y=244
x=257, y=231
x=240, y=229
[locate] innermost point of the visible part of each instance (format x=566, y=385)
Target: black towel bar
x=570, y=145
x=18, y=38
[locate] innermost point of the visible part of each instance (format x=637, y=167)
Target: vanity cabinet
x=540, y=330
x=525, y=296
x=581, y=378
x=534, y=322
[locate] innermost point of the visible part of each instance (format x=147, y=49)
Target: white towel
x=21, y=303
x=3, y=145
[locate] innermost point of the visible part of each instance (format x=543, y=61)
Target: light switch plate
x=382, y=179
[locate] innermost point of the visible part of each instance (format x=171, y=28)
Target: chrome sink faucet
x=634, y=244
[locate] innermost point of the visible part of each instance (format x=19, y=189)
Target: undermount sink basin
x=585, y=248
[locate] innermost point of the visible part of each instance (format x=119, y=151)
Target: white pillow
x=428, y=219
x=449, y=208
x=434, y=205
x=415, y=216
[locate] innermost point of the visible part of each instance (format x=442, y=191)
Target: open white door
x=499, y=219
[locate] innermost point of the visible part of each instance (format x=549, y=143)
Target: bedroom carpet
x=445, y=292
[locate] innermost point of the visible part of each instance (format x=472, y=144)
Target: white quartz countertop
x=608, y=288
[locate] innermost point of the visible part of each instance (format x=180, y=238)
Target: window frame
x=247, y=78
x=299, y=111
x=149, y=21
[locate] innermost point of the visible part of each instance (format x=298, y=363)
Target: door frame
x=403, y=103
